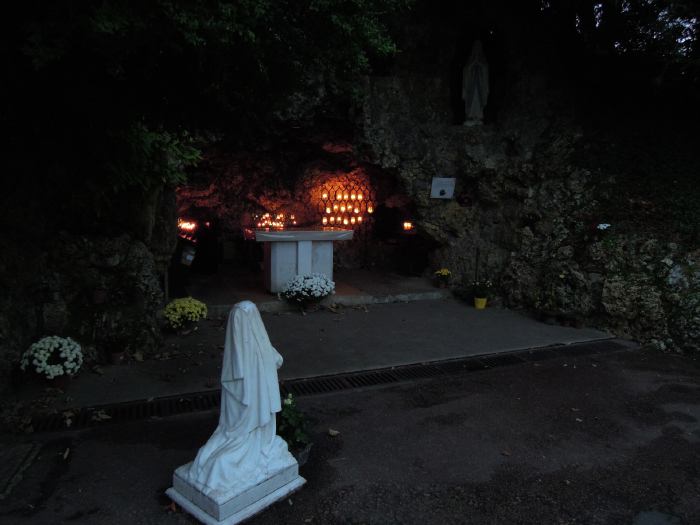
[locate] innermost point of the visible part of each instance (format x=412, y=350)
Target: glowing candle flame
x=332, y=220
x=352, y=220
x=324, y=196
x=325, y=221
x=188, y=226
x=359, y=219
x=370, y=209
x=357, y=210
x=345, y=222
x=328, y=209
x=407, y=226
x=359, y=196
x=353, y=196
x=342, y=208
x=345, y=197
x=339, y=196
x=335, y=207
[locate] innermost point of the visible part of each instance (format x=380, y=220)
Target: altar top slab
x=326, y=234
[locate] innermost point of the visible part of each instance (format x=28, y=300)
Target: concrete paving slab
x=391, y=335
x=322, y=343
x=14, y=460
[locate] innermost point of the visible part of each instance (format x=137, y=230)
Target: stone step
x=274, y=305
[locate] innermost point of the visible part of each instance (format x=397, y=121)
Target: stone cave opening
x=304, y=186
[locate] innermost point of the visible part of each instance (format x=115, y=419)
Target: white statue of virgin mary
x=475, y=85
x=244, y=450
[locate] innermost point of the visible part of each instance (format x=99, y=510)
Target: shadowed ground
x=610, y=438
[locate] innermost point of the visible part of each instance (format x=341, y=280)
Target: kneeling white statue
x=245, y=466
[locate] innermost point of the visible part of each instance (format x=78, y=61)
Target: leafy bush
x=482, y=288
x=291, y=424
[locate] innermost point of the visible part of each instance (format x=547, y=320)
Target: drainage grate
x=130, y=411
x=201, y=401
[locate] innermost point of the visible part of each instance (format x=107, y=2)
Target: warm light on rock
x=350, y=198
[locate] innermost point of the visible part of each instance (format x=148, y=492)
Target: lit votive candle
x=352, y=220
x=357, y=210
x=325, y=221
x=328, y=209
x=345, y=197
x=332, y=220
x=370, y=209
x=353, y=196
x=359, y=196
x=345, y=222
x=324, y=196
x=342, y=208
x=335, y=207
x=339, y=196
x=359, y=219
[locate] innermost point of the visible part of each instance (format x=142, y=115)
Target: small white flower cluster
x=53, y=356
x=309, y=286
x=603, y=226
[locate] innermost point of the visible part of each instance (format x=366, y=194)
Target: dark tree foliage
x=108, y=95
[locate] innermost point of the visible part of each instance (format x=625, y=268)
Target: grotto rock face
x=102, y=290
x=530, y=212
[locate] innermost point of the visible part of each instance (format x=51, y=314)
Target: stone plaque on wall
x=442, y=188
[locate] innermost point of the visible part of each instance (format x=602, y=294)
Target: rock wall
x=531, y=211
x=233, y=186
x=101, y=286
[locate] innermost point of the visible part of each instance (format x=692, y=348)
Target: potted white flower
x=53, y=358
x=308, y=289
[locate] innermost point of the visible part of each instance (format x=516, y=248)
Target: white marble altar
x=244, y=466
x=294, y=252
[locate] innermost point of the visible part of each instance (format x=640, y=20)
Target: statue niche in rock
x=475, y=85
x=245, y=466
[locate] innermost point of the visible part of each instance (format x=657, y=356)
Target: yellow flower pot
x=479, y=303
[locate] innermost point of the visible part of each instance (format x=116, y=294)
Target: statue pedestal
x=289, y=253
x=229, y=509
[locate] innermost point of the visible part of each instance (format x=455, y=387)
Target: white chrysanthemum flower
x=302, y=287
x=65, y=353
